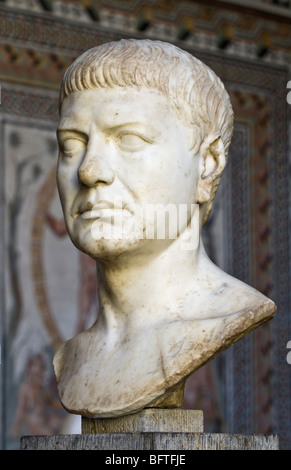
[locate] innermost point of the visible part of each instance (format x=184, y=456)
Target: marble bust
x=144, y=125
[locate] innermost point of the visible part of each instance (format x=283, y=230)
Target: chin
x=103, y=247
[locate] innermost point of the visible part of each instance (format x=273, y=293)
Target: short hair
x=195, y=90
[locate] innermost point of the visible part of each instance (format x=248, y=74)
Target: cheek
x=66, y=183
x=179, y=178
x=67, y=175
x=163, y=179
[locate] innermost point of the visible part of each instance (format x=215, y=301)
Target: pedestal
x=150, y=430
x=148, y=420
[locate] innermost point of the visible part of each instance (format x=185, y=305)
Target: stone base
x=150, y=429
x=151, y=441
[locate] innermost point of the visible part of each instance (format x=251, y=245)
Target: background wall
x=47, y=287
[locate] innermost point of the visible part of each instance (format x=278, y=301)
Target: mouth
x=101, y=210
x=102, y=213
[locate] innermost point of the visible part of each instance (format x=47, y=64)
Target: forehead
x=109, y=107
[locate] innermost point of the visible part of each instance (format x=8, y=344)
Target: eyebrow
x=135, y=124
x=140, y=126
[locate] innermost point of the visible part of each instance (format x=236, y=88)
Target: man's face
x=122, y=153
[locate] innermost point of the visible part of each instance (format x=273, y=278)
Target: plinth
x=150, y=430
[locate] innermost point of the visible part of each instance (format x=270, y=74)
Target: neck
x=143, y=288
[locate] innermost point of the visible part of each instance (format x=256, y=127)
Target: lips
x=87, y=206
x=100, y=209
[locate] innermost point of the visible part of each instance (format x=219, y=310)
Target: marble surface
x=143, y=136
x=152, y=441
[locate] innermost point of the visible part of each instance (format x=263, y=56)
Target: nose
x=95, y=167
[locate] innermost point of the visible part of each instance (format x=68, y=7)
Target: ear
x=212, y=164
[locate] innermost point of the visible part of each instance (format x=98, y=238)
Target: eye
x=71, y=147
x=129, y=141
